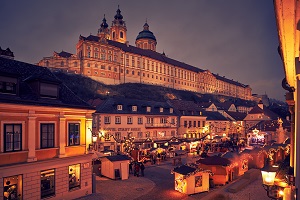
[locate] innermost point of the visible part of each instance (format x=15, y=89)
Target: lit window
x=148, y=109
x=134, y=108
x=119, y=107
x=47, y=183
x=74, y=176
x=171, y=110
x=12, y=187
x=47, y=135
x=161, y=109
x=74, y=134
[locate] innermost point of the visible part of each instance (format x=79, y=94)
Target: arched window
x=62, y=63
x=121, y=34
x=114, y=35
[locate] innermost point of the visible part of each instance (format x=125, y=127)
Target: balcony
x=159, y=125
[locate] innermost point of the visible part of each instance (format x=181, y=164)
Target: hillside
x=87, y=89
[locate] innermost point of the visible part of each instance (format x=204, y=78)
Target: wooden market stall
x=191, y=180
x=220, y=167
x=115, y=167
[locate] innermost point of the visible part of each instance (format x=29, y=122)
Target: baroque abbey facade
x=107, y=57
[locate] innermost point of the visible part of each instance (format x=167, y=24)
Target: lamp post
x=268, y=176
x=279, y=190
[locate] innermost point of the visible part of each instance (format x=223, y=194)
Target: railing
x=160, y=125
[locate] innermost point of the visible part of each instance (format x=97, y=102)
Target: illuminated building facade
x=44, y=135
x=119, y=119
x=108, y=58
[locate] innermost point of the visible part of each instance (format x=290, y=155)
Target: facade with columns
x=44, y=135
x=108, y=57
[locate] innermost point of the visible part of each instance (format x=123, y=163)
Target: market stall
x=115, y=167
x=191, y=180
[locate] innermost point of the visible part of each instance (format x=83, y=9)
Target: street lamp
x=278, y=188
x=268, y=173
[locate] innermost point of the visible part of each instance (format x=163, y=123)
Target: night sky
x=236, y=39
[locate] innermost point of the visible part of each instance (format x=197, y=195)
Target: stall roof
x=184, y=169
x=214, y=160
x=117, y=158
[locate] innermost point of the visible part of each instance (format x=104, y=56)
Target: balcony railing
x=159, y=125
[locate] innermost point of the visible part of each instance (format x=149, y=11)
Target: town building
x=122, y=124
x=107, y=57
x=44, y=137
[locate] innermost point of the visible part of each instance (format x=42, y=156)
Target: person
x=142, y=169
x=130, y=168
x=137, y=169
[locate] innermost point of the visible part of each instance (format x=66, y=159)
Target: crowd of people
x=136, y=168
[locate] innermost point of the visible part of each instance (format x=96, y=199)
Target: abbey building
x=107, y=57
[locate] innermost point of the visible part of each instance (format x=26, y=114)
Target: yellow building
x=110, y=59
x=43, y=135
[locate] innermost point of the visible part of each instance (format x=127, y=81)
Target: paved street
x=158, y=183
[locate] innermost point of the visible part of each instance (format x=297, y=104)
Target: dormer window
x=161, y=109
x=119, y=107
x=48, y=90
x=148, y=109
x=8, y=85
x=134, y=108
x=171, y=110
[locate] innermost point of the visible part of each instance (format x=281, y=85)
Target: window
x=118, y=135
x=12, y=187
x=163, y=120
x=48, y=90
x=8, y=85
x=134, y=108
x=198, y=181
x=148, y=109
x=171, y=110
x=172, y=133
x=172, y=121
x=12, y=137
x=121, y=34
x=62, y=63
x=74, y=176
x=119, y=107
x=47, y=183
x=129, y=120
x=140, y=134
x=74, y=134
x=47, y=135
x=118, y=120
x=185, y=124
x=150, y=120
x=140, y=120
x=194, y=124
x=106, y=120
x=161, y=109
